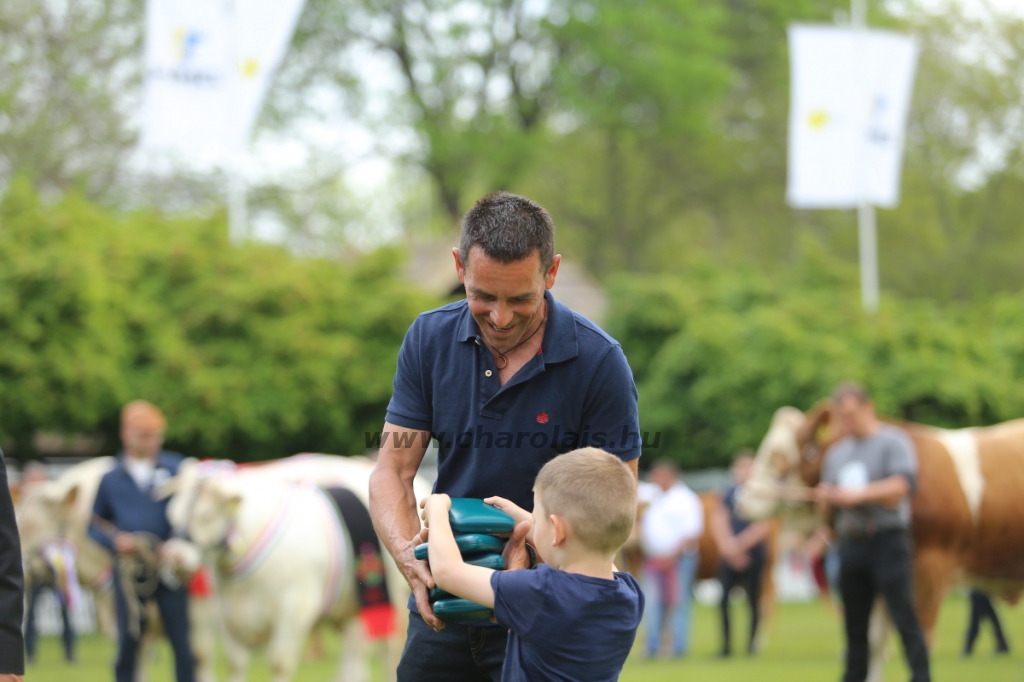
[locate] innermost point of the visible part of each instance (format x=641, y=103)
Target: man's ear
x=460, y=267
x=561, y=530
x=552, y=273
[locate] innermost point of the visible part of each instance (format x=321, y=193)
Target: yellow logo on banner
x=818, y=119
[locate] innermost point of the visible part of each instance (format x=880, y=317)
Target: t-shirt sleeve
x=829, y=473
x=519, y=597
x=610, y=411
x=901, y=459
x=410, y=407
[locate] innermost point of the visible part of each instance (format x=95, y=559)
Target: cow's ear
x=167, y=488
x=69, y=498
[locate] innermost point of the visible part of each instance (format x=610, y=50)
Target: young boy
x=573, y=617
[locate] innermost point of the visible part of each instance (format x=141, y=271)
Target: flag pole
x=866, y=224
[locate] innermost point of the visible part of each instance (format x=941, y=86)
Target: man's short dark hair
x=848, y=389
x=508, y=228
x=666, y=463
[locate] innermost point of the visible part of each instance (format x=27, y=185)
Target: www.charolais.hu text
x=551, y=437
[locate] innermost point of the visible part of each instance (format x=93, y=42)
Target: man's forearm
x=393, y=508
x=887, y=492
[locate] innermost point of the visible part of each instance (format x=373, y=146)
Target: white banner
x=264, y=31
x=209, y=64
x=187, y=102
x=849, y=99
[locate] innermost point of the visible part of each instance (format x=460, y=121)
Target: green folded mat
x=470, y=544
x=437, y=593
x=470, y=515
x=493, y=561
x=456, y=609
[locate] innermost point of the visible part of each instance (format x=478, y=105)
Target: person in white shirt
x=670, y=533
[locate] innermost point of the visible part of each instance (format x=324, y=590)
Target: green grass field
x=803, y=645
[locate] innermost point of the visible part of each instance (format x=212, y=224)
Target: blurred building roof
x=431, y=266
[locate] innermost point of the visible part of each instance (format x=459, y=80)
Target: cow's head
x=791, y=454
x=774, y=464
x=203, y=503
x=44, y=512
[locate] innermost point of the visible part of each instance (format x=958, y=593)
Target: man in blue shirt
x=505, y=381
x=124, y=510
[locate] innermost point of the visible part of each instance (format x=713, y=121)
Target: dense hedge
x=251, y=351
x=715, y=353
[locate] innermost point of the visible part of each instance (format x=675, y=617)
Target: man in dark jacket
x=124, y=514
x=12, y=588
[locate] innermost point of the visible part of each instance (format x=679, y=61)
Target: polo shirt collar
x=560, y=340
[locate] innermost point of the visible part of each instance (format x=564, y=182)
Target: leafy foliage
x=715, y=354
x=251, y=351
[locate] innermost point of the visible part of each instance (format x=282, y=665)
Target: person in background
x=743, y=549
x=52, y=568
x=670, y=531
x=867, y=479
x=12, y=587
x=124, y=507
x=982, y=608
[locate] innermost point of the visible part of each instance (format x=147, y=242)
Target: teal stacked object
x=475, y=525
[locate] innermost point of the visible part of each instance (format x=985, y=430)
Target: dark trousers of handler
x=873, y=565
x=750, y=580
x=173, y=607
x=458, y=653
x=983, y=609
x=31, y=636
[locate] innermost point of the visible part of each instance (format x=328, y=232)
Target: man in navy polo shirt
x=505, y=381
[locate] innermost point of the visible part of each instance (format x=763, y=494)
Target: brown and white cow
x=965, y=514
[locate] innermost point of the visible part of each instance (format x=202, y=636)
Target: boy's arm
x=450, y=572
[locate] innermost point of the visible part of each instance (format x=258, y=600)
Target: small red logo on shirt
x=542, y=418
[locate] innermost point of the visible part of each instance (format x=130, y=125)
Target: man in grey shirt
x=868, y=478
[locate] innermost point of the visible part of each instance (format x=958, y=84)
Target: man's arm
x=450, y=571
x=393, y=508
x=101, y=510
x=754, y=534
x=888, y=492
x=12, y=587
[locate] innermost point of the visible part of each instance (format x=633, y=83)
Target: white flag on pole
x=209, y=64
x=264, y=32
x=187, y=101
x=849, y=100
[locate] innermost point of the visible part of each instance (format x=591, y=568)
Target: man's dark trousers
x=458, y=653
x=30, y=622
x=173, y=606
x=880, y=564
x=750, y=580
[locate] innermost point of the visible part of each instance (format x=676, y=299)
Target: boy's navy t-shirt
x=566, y=627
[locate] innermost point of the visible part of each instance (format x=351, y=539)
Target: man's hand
x=124, y=543
x=4, y=677
x=417, y=574
x=510, y=508
x=830, y=495
x=516, y=555
x=738, y=561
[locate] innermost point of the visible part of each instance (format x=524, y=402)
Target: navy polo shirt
x=493, y=440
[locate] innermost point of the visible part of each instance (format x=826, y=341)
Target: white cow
x=283, y=562
x=63, y=508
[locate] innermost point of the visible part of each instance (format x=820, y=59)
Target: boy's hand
x=439, y=503
x=510, y=508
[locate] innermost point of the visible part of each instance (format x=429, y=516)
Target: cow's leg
x=202, y=616
x=355, y=653
x=237, y=654
x=933, y=571
x=878, y=641
x=288, y=641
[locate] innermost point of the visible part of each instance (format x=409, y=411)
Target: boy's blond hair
x=595, y=492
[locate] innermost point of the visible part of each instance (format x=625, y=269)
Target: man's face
x=663, y=477
x=855, y=417
x=505, y=299
x=741, y=470
x=142, y=438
